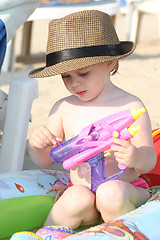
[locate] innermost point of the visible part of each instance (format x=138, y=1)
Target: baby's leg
x=74, y=208
x=115, y=198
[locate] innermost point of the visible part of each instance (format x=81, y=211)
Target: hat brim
x=78, y=63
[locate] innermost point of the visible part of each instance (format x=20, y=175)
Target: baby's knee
x=75, y=207
x=78, y=198
x=110, y=195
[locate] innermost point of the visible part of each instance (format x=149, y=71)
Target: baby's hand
x=43, y=138
x=125, y=152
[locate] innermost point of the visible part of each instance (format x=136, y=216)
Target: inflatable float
x=26, y=198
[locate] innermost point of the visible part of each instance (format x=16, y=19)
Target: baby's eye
x=83, y=74
x=65, y=76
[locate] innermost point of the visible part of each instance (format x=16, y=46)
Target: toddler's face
x=87, y=83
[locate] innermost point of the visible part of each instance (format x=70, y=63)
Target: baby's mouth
x=81, y=93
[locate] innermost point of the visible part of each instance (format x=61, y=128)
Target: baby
x=84, y=48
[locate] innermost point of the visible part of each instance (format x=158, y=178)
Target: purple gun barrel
x=65, y=150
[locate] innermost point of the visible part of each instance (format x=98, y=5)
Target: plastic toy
x=93, y=141
x=26, y=198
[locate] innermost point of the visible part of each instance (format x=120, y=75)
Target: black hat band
x=74, y=53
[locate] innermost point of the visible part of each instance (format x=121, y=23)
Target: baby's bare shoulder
x=63, y=103
x=125, y=98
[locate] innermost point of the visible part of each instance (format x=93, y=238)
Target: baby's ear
x=112, y=64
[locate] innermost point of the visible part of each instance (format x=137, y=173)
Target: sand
x=138, y=74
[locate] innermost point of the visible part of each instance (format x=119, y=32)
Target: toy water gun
x=95, y=140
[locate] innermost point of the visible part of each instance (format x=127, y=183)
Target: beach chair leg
x=135, y=30
x=158, y=15
x=21, y=95
x=129, y=19
x=26, y=38
x=133, y=20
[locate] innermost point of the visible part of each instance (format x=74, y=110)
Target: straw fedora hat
x=79, y=40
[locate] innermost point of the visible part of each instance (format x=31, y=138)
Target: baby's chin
x=87, y=99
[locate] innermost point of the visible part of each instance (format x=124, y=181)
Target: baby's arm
x=44, y=138
x=138, y=152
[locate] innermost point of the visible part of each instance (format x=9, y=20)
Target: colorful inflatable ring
x=50, y=233
x=141, y=224
x=26, y=199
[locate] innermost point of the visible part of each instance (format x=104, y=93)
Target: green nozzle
x=136, y=113
x=133, y=130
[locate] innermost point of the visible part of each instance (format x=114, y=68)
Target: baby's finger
x=58, y=140
x=48, y=137
x=42, y=140
x=39, y=143
x=118, y=155
x=121, y=142
x=121, y=163
x=118, y=148
x=53, y=139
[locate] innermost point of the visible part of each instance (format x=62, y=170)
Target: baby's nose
x=76, y=83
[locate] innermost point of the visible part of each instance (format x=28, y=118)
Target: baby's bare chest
x=77, y=119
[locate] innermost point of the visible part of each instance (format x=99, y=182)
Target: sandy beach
x=138, y=74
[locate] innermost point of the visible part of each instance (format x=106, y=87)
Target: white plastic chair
x=135, y=11
x=14, y=14
x=15, y=115
x=15, y=107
